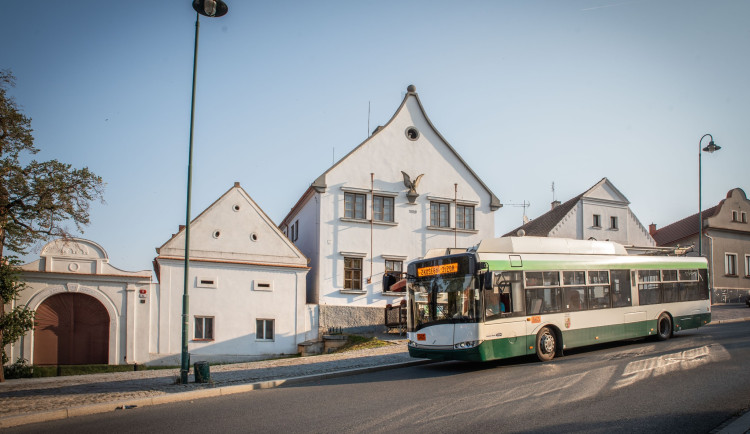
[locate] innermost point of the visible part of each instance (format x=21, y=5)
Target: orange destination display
x=437, y=269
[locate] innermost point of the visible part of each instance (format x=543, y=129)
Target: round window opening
x=217, y=234
x=253, y=237
x=236, y=208
x=412, y=133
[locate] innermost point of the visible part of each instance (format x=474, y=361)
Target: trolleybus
x=516, y=296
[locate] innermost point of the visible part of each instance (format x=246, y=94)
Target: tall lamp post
x=711, y=148
x=207, y=8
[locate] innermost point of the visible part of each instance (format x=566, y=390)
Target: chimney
x=652, y=229
x=181, y=228
x=555, y=204
x=236, y=184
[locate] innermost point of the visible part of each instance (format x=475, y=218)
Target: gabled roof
x=259, y=248
x=320, y=183
x=682, y=229
x=543, y=225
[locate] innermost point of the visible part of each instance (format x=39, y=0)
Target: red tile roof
x=682, y=229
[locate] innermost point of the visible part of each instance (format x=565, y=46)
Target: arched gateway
x=71, y=329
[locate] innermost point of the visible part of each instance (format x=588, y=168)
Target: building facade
x=87, y=311
x=600, y=213
x=246, y=287
x=726, y=244
x=400, y=193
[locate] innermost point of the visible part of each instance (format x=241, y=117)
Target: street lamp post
x=711, y=148
x=208, y=8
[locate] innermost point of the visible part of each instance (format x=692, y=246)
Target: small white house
x=87, y=311
x=246, y=287
x=400, y=193
x=600, y=213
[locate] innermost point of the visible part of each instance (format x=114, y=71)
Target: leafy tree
x=36, y=199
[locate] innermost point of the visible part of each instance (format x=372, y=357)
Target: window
x=205, y=282
x=597, y=221
x=613, y=222
x=382, y=208
x=439, y=214
x=204, y=328
x=730, y=264
x=354, y=206
x=744, y=217
x=734, y=216
x=394, y=266
x=464, y=217
x=598, y=296
x=294, y=231
x=747, y=265
x=264, y=329
x=353, y=273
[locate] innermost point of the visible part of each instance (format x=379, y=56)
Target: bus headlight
x=465, y=345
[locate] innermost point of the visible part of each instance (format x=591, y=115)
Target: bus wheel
x=546, y=344
x=663, y=327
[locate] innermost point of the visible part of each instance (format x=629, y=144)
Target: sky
x=528, y=93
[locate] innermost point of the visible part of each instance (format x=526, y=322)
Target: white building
x=87, y=311
x=246, y=287
x=359, y=219
x=600, y=213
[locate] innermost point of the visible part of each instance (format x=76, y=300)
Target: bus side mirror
x=487, y=280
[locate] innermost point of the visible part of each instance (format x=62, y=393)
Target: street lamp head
x=210, y=8
x=712, y=147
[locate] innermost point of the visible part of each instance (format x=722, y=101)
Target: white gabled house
x=600, y=213
x=246, y=287
x=400, y=193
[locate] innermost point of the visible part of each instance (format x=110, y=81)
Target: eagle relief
x=412, y=194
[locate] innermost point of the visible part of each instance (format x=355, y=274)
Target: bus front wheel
x=546, y=344
x=664, y=327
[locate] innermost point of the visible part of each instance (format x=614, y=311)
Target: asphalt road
x=689, y=384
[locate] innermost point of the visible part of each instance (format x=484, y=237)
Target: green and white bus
x=516, y=296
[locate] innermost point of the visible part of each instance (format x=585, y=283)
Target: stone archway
x=71, y=329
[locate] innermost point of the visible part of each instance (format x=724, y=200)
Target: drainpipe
x=711, y=265
x=372, y=218
x=455, y=215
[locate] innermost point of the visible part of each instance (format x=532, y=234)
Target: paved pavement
x=32, y=400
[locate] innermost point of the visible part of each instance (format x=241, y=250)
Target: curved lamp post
x=208, y=8
x=711, y=148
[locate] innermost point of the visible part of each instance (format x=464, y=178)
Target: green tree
x=36, y=200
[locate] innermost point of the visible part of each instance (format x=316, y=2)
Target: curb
x=104, y=407
x=728, y=321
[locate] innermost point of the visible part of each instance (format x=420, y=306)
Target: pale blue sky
x=527, y=92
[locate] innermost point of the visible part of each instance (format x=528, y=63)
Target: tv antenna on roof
x=523, y=205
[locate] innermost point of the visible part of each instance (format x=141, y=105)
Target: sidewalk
x=32, y=400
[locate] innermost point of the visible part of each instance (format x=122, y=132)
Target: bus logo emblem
x=567, y=322
x=421, y=337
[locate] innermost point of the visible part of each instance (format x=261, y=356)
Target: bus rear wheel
x=546, y=344
x=663, y=327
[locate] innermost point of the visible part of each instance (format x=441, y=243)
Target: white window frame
x=747, y=265
x=730, y=264
x=263, y=329
x=203, y=327
x=613, y=223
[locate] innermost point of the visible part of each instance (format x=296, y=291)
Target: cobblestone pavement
x=32, y=395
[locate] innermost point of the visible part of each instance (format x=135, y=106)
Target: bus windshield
x=443, y=300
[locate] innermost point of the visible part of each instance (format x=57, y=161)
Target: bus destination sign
x=437, y=269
